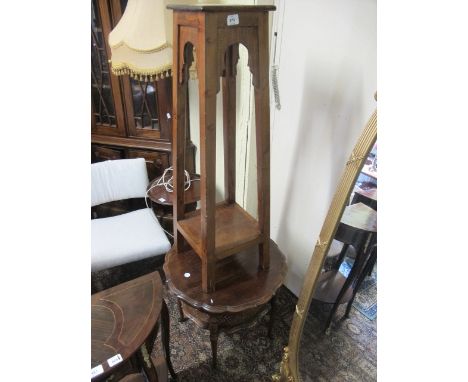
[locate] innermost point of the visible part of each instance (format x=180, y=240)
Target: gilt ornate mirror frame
x=289, y=369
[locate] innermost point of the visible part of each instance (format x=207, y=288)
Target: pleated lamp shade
x=141, y=43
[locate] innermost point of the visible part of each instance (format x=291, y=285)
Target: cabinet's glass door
x=106, y=99
x=101, y=91
x=145, y=105
x=148, y=105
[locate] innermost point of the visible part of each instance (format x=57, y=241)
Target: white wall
x=326, y=51
x=327, y=80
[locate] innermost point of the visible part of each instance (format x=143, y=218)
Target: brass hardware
x=299, y=312
x=284, y=374
x=321, y=244
x=354, y=159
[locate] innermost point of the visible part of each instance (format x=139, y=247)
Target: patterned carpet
x=348, y=353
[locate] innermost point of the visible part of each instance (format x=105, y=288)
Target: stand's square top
x=220, y=8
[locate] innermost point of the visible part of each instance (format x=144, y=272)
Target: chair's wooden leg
x=214, y=333
x=165, y=338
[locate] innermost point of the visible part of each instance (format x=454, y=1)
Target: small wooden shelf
x=328, y=287
x=235, y=230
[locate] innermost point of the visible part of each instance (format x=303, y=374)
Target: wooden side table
x=244, y=295
x=124, y=326
x=162, y=200
x=358, y=227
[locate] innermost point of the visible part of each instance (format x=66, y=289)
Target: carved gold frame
x=289, y=369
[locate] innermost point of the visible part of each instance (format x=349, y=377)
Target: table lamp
x=141, y=42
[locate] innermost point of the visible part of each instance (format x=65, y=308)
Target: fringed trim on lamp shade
x=147, y=75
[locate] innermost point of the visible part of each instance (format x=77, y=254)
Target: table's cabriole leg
x=165, y=336
x=214, y=333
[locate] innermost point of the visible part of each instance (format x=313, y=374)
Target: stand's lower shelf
x=329, y=286
x=235, y=230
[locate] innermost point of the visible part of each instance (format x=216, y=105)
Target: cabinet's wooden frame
x=289, y=368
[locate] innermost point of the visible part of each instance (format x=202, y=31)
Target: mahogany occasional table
x=124, y=326
x=243, y=291
x=368, y=197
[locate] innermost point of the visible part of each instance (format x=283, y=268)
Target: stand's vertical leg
x=208, y=88
x=229, y=122
x=179, y=100
x=262, y=121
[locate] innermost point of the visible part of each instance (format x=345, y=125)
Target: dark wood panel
x=100, y=153
x=131, y=143
x=156, y=162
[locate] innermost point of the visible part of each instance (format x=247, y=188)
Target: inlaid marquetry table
x=124, y=325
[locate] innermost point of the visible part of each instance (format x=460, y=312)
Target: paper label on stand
x=114, y=360
x=97, y=371
x=233, y=20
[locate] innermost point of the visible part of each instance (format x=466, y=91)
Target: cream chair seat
x=131, y=236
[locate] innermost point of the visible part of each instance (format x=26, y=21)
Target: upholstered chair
x=131, y=236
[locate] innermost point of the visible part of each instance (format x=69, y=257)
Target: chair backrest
x=117, y=180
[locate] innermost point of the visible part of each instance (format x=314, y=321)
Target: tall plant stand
x=216, y=232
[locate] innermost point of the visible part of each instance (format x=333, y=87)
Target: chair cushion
x=125, y=238
x=118, y=179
